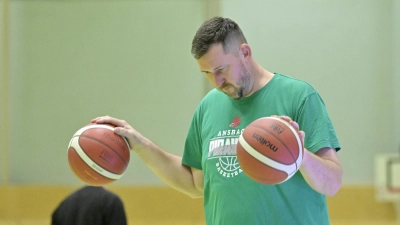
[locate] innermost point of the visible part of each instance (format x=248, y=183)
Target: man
x=90, y=206
x=245, y=91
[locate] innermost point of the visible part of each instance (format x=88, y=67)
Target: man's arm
x=166, y=166
x=322, y=171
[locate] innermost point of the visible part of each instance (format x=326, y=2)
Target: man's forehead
x=214, y=59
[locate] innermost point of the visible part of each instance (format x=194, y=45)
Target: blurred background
x=65, y=62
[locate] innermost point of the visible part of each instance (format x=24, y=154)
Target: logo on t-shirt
x=235, y=121
x=223, y=148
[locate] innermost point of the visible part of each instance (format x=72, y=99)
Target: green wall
x=346, y=51
x=396, y=68
x=2, y=107
x=71, y=61
x=75, y=60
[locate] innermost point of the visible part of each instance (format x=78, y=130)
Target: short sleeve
x=192, y=154
x=314, y=120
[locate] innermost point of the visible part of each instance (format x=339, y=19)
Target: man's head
x=217, y=30
x=224, y=57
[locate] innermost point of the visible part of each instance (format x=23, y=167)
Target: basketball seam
x=243, y=142
x=295, y=134
x=104, y=145
x=301, y=147
x=115, y=175
x=287, y=149
x=75, y=168
x=255, y=175
x=93, y=126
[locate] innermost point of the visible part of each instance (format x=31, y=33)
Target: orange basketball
x=269, y=150
x=97, y=155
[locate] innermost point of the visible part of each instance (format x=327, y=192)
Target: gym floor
x=26, y=205
x=147, y=222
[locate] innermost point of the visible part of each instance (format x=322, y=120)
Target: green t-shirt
x=230, y=196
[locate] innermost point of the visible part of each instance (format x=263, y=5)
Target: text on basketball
x=278, y=129
x=265, y=142
x=115, y=140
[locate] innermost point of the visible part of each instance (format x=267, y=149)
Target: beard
x=242, y=88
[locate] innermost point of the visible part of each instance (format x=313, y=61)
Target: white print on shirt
x=223, y=148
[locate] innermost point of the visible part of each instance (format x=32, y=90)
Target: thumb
x=122, y=132
x=119, y=131
x=302, y=135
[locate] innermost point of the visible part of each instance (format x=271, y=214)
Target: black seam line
x=104, y=145
x=288, y=149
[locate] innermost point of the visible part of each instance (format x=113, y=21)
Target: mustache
x=224, y=85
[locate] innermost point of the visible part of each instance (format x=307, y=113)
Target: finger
x=95, y=120
x=290, y=121
x=98, y=118
x=109, y=120
x=121, y=131
x=294, y=124
x=285, y=118
x=126, y=133
x=302, y=135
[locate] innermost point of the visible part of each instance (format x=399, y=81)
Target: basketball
x=97, y=155
x=269, y=150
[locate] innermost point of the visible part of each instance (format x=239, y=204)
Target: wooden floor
x=363, y=222
x=353, y=205
x=333, y=222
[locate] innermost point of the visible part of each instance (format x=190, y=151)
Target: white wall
x=344, y=49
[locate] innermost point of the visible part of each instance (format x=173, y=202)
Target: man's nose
x=219, y=79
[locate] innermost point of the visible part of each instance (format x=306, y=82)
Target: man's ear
x=245, y=50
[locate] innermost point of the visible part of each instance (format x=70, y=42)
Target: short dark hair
x=217, y=30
